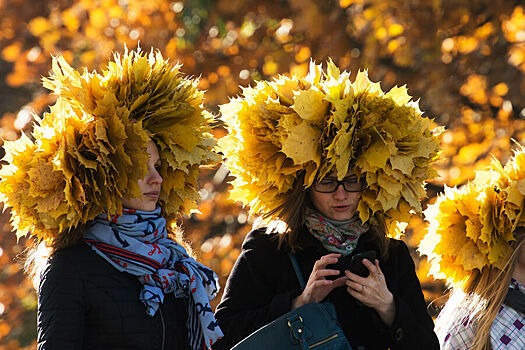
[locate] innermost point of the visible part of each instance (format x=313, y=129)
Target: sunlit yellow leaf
x=310, y=104
x=302, y=144
x=405, y=164
x=376, y=156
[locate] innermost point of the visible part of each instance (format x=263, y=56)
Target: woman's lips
x=341, y=208
x=152, y=195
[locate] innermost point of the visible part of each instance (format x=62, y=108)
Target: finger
x=341, y=281
x=318, y=290
x=326, y=272
x=358, y=295
x=370, y=266
x=315, y=288
x=335, y=284
x=327, y=260
x=320, y=284
x=353, y=277
x=379, y=271
x=330, y=256
x=375, y=270
x=320, y=275
x=356, y=286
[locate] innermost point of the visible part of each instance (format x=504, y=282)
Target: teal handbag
x=311, y=326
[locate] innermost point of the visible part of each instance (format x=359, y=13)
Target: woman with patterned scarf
x=100, y=185
x=476, y=242
x=334, y=168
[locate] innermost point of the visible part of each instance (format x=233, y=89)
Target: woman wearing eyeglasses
x=344, y=164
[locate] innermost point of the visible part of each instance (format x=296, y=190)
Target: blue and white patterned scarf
x=137, y=243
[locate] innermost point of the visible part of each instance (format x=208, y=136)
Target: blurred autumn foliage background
x=463, y=59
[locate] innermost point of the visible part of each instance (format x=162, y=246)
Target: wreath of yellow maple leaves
x=324, y=122
x=472, y=226
x=90, y=149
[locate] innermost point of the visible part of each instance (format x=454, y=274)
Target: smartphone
x=356, y=264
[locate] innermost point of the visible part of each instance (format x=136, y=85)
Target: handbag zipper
x=321, y=342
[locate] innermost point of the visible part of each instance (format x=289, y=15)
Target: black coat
x=263, y=284
x=85, y=303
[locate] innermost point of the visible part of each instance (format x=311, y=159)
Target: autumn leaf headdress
x=326, y=122
x=89, y=150
x=472, y=226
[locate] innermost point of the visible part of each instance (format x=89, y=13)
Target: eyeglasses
x=330, y=185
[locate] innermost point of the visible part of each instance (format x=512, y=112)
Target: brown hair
x=291, y=212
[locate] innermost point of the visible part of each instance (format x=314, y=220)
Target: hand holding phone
x=356, y=264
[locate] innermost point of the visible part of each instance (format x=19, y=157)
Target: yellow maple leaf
x=302, y=144
x=403, y=163
x=310, y=104
x=376, y=156
x=362, y=83
x=469, y=257
x=399, y=94
x=387, y=200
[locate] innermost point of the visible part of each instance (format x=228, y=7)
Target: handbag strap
x=297, y=270
x=515, y=299
x=300, y=331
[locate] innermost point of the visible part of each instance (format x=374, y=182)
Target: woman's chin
x=340, y=216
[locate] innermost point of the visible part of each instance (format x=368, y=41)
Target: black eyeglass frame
x=342, y=183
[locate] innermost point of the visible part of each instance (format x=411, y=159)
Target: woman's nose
x=155, y=177
x=340, y=191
